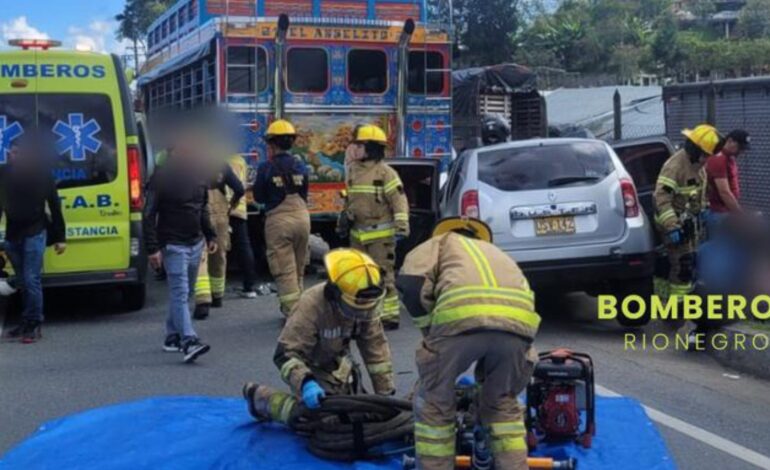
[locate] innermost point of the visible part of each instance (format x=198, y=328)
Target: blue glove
x=312, y=394
x=675, y=236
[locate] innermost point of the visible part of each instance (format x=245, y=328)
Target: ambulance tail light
x=134, y=178
x=469, y=204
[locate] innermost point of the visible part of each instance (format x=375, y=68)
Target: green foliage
x=485, y=30
x=754, y=20
x=627, y=37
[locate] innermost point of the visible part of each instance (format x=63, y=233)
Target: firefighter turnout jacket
x=315, y=344
x=376, y=203
x=452, y=284
x=679, y=191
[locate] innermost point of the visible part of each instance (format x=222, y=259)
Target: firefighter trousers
x=213, y=268
x=681, y=273
x=383, y=252
x=280, y=407
x=287, y=231
x=504, y=365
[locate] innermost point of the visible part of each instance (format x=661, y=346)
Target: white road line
x=710, y=439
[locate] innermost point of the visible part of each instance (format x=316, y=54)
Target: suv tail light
x=134, y=178
x=630, y=201
x=469, y=204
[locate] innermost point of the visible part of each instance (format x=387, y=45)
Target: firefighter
x=313, y=352
x=377, y=211
x=210, y=284
x=473, y=305
x=680, y=206
x=282, y=187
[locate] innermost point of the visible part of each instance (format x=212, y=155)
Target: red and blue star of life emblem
x=77, y=137
x=8, y=133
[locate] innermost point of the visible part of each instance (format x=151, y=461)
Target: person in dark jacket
x=177, y=229
x=28, y=196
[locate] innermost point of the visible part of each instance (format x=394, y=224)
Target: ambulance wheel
x=641, y=287
x=134, y=296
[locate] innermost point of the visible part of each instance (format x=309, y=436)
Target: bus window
x=367, y=71
x=307, y=70
x=417, y=66
x=246, y=69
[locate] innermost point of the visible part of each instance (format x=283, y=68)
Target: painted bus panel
x=330, y=83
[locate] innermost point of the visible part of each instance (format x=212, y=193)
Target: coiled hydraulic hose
x=349, y=428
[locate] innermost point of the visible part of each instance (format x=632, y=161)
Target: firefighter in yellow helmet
x=282, y=187
x=473, y=305
x=377, y=211
x=313, y=352
x=679, y=206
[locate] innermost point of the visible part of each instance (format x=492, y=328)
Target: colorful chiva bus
x=338, y=64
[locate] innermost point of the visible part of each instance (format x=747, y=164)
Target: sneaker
x=31, y=332
x=201, y=311
x=193, y=349
x=216, y=302
x=173, y=343
x=16, y=332
x=257, y=399
x=248, y=294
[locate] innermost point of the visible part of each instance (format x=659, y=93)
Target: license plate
x=563, y=225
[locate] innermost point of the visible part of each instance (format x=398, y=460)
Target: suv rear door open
x=421, y=184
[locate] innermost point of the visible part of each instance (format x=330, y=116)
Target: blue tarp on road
x=202, y=433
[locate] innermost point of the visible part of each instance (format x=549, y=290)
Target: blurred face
x=732, y=148
x=13, y=153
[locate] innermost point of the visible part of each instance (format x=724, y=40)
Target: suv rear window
x=81, y=126
x=644, y=161
x=543, y=167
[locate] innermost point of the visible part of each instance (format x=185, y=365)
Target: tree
x=665, y=48
x=485, y=30
x=754, y=19
x=136, y=19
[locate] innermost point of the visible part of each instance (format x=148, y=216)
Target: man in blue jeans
x=177, y=229
x=27, y=188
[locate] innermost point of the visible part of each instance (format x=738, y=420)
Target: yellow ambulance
x=83, y=102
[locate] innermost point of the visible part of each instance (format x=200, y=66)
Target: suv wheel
x=641, y=287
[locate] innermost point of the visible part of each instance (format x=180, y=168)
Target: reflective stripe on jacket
x=467, y=285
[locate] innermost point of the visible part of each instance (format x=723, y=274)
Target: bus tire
x=134, y=296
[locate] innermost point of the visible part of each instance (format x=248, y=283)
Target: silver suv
x=565, y=209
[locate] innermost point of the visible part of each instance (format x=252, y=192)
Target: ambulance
x=83, y=102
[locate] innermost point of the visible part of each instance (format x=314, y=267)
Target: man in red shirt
x=723, y=188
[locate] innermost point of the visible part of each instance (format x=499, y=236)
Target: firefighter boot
x=267, y=404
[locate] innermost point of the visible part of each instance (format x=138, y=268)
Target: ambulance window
x=246, y=69
x=83, y=127
x=367, y=71
x=307, y=70
x=17, y=117
x=421, y=65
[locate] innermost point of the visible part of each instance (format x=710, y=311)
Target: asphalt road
x=93, y=355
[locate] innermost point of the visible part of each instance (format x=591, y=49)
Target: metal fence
x=729, y=104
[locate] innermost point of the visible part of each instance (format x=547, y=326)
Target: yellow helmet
x=280, y=127
x=371, y=133
x=705, y=136
x=465, y=226
x=355, y=279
